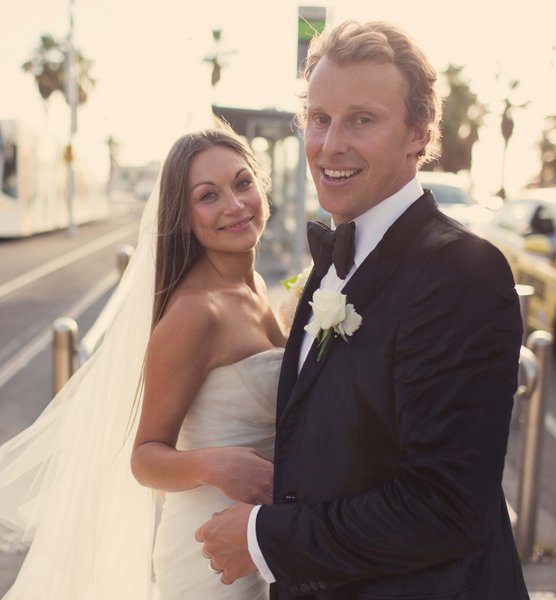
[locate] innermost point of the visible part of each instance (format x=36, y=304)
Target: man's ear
x=419, y=138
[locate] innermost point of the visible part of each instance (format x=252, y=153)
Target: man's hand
x=224, y=540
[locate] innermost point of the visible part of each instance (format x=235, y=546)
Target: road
x=53, y=275
x=41, y=279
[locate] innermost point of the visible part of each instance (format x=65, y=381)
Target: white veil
x=65, y=482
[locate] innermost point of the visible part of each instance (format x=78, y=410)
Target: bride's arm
x=179, y=357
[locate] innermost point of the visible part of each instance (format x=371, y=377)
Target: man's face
x=359, y=148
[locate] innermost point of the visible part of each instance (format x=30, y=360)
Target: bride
x=190, y=404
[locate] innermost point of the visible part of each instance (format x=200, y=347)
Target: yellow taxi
x=525, y=231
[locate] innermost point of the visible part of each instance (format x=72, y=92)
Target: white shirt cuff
x=253, y=547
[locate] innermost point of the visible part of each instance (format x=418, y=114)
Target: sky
x=152, y=84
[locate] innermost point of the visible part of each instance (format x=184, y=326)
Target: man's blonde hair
x=380, y=42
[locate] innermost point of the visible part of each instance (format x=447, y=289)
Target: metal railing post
x=67, y=356
x=540, y=342
x=524, y=292
x=65, y=351
x=527, y=374
x=123, y=256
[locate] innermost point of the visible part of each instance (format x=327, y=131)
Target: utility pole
x=71, y=95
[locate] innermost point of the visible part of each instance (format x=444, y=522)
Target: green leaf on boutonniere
x=323, y=343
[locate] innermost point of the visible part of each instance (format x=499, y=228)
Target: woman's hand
x=242, y=474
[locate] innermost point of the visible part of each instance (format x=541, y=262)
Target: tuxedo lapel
x=382, y=262
x=373, y=272
x=309, y=371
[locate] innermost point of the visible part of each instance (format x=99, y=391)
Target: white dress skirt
x=236, y=406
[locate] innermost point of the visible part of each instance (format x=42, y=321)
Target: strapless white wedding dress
x=235, y=407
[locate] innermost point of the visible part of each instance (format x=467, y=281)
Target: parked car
x=525, y=230
x=451, y=193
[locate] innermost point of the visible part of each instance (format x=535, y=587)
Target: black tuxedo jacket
x=390, y=450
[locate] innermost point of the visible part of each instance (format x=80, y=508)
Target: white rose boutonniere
x=333, y=317
x=288, y=306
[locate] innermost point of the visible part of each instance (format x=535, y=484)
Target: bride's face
x=228, y=209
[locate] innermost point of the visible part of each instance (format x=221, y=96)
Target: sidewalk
x=540, y=577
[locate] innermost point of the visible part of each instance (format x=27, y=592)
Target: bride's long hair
x=177, y=248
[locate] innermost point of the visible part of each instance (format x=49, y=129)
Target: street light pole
x=71, y=95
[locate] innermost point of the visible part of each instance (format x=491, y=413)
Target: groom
x=390, y=445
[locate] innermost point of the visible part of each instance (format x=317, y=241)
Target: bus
x=33, y=191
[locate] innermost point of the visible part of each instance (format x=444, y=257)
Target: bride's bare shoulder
x=191, y=309
x=189, y=326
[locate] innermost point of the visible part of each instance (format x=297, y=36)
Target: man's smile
x=341, y=174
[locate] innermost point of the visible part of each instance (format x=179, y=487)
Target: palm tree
x=217, y=58
x=507, y=129
x=462, y=118
x=47, y=64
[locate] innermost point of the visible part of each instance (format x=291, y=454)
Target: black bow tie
x=329, y=247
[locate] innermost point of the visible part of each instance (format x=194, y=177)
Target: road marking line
x=24, y=356
x=43, y=339
x=65, y=260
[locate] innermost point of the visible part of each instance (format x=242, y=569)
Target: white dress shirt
x=370, y=228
